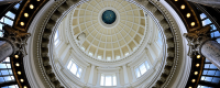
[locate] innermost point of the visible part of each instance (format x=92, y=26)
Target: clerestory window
x=140, y=70
x=75, y=69
x=108, y=80
x=56, y=39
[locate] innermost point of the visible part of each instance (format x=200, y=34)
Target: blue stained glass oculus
x=109, y=17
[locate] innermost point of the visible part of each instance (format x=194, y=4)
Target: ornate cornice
x=168, y=24
x=57, y=12
x=44, y=67
x=17, y=39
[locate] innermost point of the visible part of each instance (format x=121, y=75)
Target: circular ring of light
x=108, y=26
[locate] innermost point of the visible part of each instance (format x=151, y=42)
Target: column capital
x=16, y=38
x=196, y=39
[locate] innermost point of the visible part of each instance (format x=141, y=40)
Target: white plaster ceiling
x=111, y=42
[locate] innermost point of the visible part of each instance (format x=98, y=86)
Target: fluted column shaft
x=133, y=75
x=65, y=54
x=126, y=81
x=211, y=50
x=200, y=42
x=6, y=49
x=118, y=79
x=91, y=75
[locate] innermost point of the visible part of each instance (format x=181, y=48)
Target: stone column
x=126, y=81
x=91, y=75
x=13, y=42
x=118, y=79
x=200, y=42
x=6, y=49
x=209, y=3
x=133, y=74
x=211, y=50
x=65, y=53
x=98, y=79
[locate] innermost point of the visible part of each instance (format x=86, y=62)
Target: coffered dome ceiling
x=98, y=40
x=112, y=29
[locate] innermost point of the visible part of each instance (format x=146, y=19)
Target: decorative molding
x=154, y=8
x=168, y=24
x=113, y=63
x=17, y=39
x=196, y=40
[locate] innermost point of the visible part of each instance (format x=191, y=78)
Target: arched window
x=56, y=39
x=140, y=70
x=75, y=69
x=159, y=40
x=108, y=80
